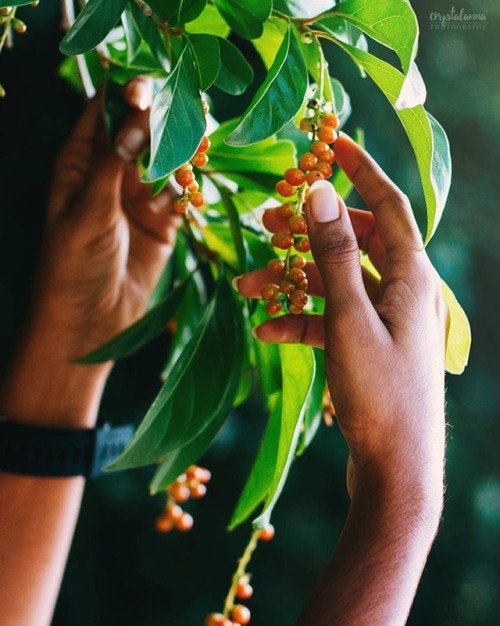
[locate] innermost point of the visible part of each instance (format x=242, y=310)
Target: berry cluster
x=192, y=484
x=241, y=589
x=186, y=179
x=314, y=165
x=9, y=22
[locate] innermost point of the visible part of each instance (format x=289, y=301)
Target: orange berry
x=179, y=207
x=184, y=177
x=327, y=134
x=198, y=490
x=313, y=177
x=284, y=241
x=163, y=524
x=184, y=523
x=308, y=161
x=179, y=492
x=299, y=298
x=197, y=199
x=204, y=475
x=273, y=308
x=216, y=619
x=286, y=210
x=297, y=261
x=267, y=533
x=302, y=244
x=285, y=189
x=307, y=124
x=244, y=591
x=327, y=157
x=295, y=177
x=302, y=284
x=204, y=144
x=276, y=266
x=319, y=147
x=325, y=168
x=270, y=292
x=193, y=187
x=329, y=119
x=286, y=287
x=294, y=309
x=241, y=614
x=200, y=159
x=298, y=224
x=296, y=274
x=173, y=512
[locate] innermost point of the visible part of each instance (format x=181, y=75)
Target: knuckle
x=392, y=196
x=339, y=247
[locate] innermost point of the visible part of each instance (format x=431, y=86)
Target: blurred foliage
x=120, y=571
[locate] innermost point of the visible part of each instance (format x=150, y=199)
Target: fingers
x=393, y=216
x=250, y=285
x=138, y=93
x=306, y=329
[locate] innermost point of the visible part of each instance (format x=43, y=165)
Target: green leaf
x=235, y=73
x=191, y=9
x=93, y=23
x=298, y=374
x=427, y=137
x=206, y=51
x=268, y=359
x=133, y=36
x=262, y=474
x=177, y=120
x=143, y=331
x=458, y=337
x=278, y=99
x=269, y=42
x=115, y=109
x=314, y=412
x=150, y=33
x=303, y=8
x=199, y=391
x=245, y=17
x=235, y=226
x=209, y=22
x=169, y=11
x=14, y=3
x=341, y=182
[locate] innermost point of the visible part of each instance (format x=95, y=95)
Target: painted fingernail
x=235, y=282
x=129, y=142
x=323, y=202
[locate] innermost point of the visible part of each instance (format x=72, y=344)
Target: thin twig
x=68, y=19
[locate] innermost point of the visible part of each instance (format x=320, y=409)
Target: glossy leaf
x=151, y=325
x=199, y=391
x=268, y=359
x=235, y=73
x=236, y=232
x=314, y=411
x=14, y=3
x=133, y=36
x=269, y=42
x=458, y=338
x=150, y=33
x=245, y=17
x=278, y=99
x=206, y=51
x=93, y=23
x=177, y=120
x=209, y=22
x=303, y=8
x=298, y=375
x=191, y=9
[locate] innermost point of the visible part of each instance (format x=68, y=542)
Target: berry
x=286, y=210
x=329, y=119
x=270, y=292
x=184, y=523
x=319, y=147
x=276, y=266
x=197, y=199
x=307, y=124
x=296, y=275
x=294, y=309
x=327, y=134
x=273, y=308
x=204, y=144
x=179, y=207
x=244, y=590
x=302, y=244
x=173, y=512
x=18, y=26
x=200, y=159
x=303, y=284
x=295, y=177
x=184, y=176
x=299, y=298
x=267, y=533
x=193, y=187
x=285, y=189
x=198, y=490
x=205, y=475
x=216, y=619
x=297, y=261
x=298, y=224
x=327, y=157
x=179, y=492
x=241, y=614
x=308, y=161
x=284, y=241
x=164, y=524
x=287, y=287
x=313, y=177
x=325, y=168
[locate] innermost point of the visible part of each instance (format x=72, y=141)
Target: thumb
x=335, y=248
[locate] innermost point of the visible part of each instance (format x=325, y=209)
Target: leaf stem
x=6, y=27
x=240, y=571
x=68, y=13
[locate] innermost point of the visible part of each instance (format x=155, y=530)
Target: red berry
x=329, y=119
x=302, y=284
x=184, y=523
x=244, y=591
x=217, y=619
x=285, y=189
x=294, y=309
x=313, y=177
x=327, y=134
x=308, y=161
x=328, y=156
x=286, y=287
x=270, y=292
x=295, y=177
x=276, y=266
x=298, y=224
x=267, y=533
x=284, y=241
x=241, y=614
x=184, y=176
x=163, y=524
x=299, y=298
x=197, y=199
x=319, y=147
x=302, y=244
x=325, y=168
x=273, y=308
x=296, y=274
x=296, y=260
x=179, y=492
x=200, y=159
x=204, y=144
x=286, y=210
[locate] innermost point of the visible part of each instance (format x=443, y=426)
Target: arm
x=105, y=245
x=384, y=349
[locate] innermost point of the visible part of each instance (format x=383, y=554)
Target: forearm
x=378, y=562
x=38, y=515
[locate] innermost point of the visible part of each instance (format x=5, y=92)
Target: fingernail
x=129, y=143
x=140, y=94
x=235, y=282
x=253, y=331
x=159, y=203
x=323, y=202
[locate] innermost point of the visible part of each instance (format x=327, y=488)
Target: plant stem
x=68, y=13
x=6, y=28
x=240, y=571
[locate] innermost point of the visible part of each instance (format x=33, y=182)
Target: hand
x=384, y=343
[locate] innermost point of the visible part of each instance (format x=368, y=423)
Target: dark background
x=120, y=571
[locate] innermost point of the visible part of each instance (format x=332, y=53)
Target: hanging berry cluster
x=191, y=484
x=314, y=165
x=237, y=614
x=191, y=196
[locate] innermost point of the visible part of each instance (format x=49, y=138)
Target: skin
x=105, y=244
x=384, y=349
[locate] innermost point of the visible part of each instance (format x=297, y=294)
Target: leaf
x=177, y=120
x=458, y=337
x=314, y=412
x=277, y=100
x=268, y=359
x=209, y=22
x=303, y=8
x=427, y=137
x=270, y=156
x=235, y=226
x=151, y=35
x=298, y=375
x=262, y=474
x=191, y=9
x=198, y=394
x=235, y=73
x=343, y=185
x=151, y=325
x=206, y=51
x=115, y=109
x=93, y=23
x=133, y=36
x=245, y=17
x=341, y=101
x=269, y=42
x=14, y=3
